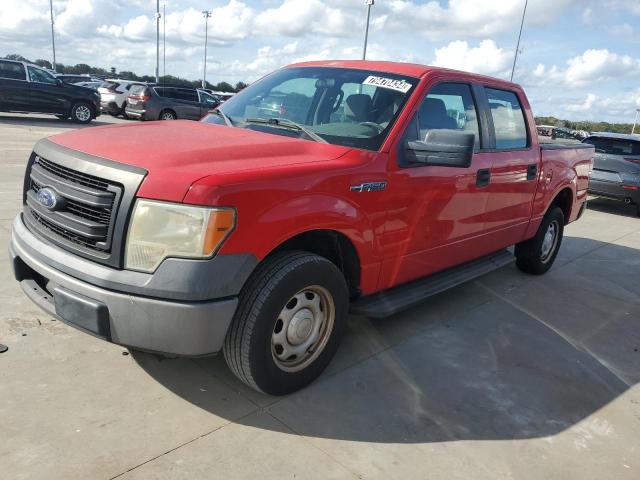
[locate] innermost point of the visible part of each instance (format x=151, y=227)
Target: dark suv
x=28, y=88
x=164, y=102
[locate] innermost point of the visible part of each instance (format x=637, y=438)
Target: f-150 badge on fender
x=369, y=187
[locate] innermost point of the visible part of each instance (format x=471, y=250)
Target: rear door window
x=614, y=146
x=508, y=119
x=12, y=70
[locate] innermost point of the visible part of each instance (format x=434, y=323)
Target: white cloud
x=486, y=58
x=584, y=106
x=470, y=18
x=593, y=66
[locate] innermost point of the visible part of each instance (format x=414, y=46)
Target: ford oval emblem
x=47, y=197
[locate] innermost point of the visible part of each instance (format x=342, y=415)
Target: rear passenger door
x=187, y=103
x=514, y=168
x=14, y=88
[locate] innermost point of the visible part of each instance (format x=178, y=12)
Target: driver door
x=45, y=94
x=436, y=213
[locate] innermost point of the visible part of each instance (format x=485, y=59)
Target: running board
x=394, y=300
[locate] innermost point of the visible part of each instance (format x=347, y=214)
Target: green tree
x=15, y=56
x=43, y=63
x=241, y=86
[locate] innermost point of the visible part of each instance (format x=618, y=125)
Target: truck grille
x=86, y=205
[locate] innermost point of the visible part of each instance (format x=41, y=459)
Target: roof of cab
x=399, y=68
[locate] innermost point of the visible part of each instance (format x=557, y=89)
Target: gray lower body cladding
x=154, y=312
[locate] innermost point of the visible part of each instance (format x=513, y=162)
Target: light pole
x=157, y=41
x=515, y=56
x=53, y=37
x=206, y=14
x=368, y=3
x=635, y=121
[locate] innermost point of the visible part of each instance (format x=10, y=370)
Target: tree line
x=84, y=69
x=587, y=126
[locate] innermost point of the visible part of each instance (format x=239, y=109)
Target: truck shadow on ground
x=506, y=357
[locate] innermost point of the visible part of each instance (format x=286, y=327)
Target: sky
x=579, y=59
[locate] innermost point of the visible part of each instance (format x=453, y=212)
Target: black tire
x=534, y=256
x=123, y=112
x=82, y=112
x=249, y=348
x=167, y=115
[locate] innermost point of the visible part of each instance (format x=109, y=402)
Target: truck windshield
x=350, y=107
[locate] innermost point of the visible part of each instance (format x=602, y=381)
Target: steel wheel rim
x=549, y=241
x=303, y=328
x=167, y=116
x=83, y=113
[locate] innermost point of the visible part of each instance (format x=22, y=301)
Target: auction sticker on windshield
x=399, y=85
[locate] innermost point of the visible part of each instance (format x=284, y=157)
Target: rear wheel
x=168, y=115
x=290, y=319
x=536, y=255
x=81, y=112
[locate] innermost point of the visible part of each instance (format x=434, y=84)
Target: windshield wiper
x=224, y=116
x=286, y=123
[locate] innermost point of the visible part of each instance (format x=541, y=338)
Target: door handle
x=483, y=177
x=532, y=172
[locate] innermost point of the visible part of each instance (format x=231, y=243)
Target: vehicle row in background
x=546, y=132
x=28, y=88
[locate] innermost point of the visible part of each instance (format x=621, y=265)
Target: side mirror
x=447, y=148
x=59, y=82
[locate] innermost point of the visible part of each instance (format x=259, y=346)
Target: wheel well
x=564, y=200
x=335, y=247
x=168, y=110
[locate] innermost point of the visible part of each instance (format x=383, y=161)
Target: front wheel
x=81, y=113
x=290, y=319
x=536, y=255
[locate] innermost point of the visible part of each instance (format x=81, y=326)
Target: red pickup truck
x=323, y=188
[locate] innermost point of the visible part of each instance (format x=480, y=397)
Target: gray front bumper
x=178, y=327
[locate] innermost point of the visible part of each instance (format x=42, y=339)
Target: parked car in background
x=71, y=78
x=557, y=133
x=255, y=236
x=25, y=87
x=91, y=85
x=163, y=102
x=113, y=95
x=222, y=96
x=616, y=169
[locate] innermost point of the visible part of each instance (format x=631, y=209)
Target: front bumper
x=151, y=323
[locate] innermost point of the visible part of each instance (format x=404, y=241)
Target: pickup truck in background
x=367, y=188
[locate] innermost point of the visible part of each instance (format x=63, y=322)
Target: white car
x=113, y=95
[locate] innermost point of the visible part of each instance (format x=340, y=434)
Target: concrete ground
x=509, y=376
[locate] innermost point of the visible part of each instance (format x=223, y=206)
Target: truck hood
x=178, y=153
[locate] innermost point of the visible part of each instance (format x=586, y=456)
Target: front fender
x=263, y=232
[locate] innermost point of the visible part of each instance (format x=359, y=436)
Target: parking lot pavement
x=510, y=376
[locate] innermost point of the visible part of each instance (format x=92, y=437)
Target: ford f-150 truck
x=323, y=188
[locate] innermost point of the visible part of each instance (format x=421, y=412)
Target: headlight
x=159, y=230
